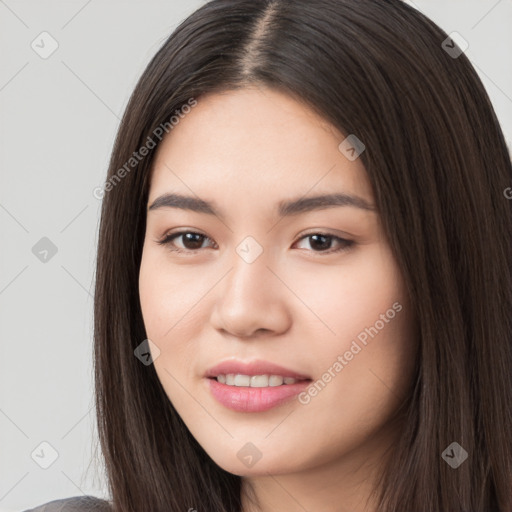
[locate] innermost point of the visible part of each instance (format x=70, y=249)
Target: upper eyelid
x=317, y=231
x=183, y=232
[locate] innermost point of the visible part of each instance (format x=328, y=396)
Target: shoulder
x=74, y=504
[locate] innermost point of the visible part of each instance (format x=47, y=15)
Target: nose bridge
x=250, y=276
x=250, y=299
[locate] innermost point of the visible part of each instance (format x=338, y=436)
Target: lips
x=257, y=367
x=253, y=400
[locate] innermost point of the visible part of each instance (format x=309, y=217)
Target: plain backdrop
x=58, y=117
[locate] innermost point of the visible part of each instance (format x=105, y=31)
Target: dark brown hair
x=438, y=165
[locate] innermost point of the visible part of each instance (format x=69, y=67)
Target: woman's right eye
x=191, y=240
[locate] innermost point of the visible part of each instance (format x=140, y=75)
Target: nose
x=252, y=300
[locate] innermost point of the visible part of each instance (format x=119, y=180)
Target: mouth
x=256, y=386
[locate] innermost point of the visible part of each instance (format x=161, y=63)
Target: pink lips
x=247, y=399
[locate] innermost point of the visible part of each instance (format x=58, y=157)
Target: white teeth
x=259, y=381
x=275, y=380
x=254, y=381
x=242, y=380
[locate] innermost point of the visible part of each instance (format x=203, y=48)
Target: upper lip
x=256, y=367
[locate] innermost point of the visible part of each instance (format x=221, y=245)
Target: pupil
x=189, y=238
x=325, y=245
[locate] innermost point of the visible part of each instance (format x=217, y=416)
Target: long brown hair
x=438, y=164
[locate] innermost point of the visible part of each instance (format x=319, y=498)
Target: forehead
x=255, y=143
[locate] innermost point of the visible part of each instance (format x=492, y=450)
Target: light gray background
x=58, y=121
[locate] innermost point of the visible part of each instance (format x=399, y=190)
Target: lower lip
x=247, y=399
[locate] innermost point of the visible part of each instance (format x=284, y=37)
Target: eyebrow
x=285, y=208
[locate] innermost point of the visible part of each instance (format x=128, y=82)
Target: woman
x=303, y=286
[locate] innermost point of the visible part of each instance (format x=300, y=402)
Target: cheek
x=169, y=296
x=365, y=319
x=345, y=299
x=158, y=304
x=166, y=322
x=174, y=312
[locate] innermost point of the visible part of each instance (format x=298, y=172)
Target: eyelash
x=167, y=241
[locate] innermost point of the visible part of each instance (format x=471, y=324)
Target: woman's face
x=258, y=283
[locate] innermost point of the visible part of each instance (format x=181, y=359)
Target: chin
x=262, y=467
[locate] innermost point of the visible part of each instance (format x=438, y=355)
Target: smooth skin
x=299, y=304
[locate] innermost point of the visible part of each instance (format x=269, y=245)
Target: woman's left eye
x=320, y=240
x=195, y=241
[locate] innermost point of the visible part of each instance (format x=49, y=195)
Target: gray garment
x=74, y=504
